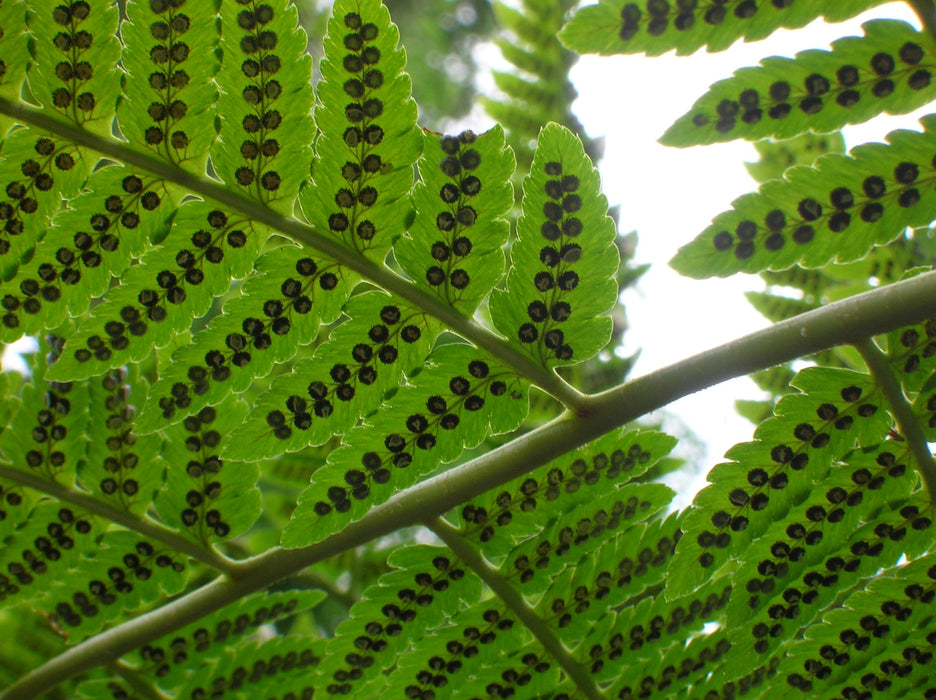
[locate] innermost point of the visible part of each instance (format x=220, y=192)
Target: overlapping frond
x=317, y=276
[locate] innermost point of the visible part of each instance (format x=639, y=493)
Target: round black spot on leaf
x=909, y=197
x=874, y=187
x=470, y=159
x=872, y=212
x=920, y=79
x=780, y=111
x=746, y=230
x=537, y=311
x=883, y=88
x=723, y=240
x=906, y=173
x=527, y=333
x=775, y=220
x=779, y=91
x=882, y=64
x=744, y=250
x=568, y=281
x=804, y=234
x=544, y=281
x=774, y=242
x=478, y=369
x=817, y=84
x=715, y=16
x=839, y=221
x=552, y=211
x=435, y=276
x=842, y=198
x=461, y=246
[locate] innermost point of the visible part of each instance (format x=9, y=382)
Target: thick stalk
x=545, y=379
x=144, y=526
x=845, y=322
x=908, y=423
x=517, y=605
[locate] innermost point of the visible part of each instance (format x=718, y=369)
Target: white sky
x=630, y=102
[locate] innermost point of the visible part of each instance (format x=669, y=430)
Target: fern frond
x=657, y=26
x=423, y=427
x=394, y=613
x=889, y=70
x=544, y=93
x=360, y=363
x=158, y=298
x=454, y=246
x=173, y=659
x=776, y=156
x=38, y=173
x=211, y=499
x=560, y=283
x=120, y=574
x=170, y=58
x=880, y=635
x=277, y=668
x=369, y=140
x=281, y=308
x=836, y=211
x=75, y=52
x=768, y=477
x=95, y=238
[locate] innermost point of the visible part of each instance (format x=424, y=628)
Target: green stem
x=484, y=338
x=144, y=526
x=908, y=423
x=845, y=322
x=516, y=604
x=926, y=11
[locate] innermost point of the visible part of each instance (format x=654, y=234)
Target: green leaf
x=523, y=507
x=794, y=449
x=121, y=574
x=48, y=433
x=657, y=26
x=280, y=667
x=14, y=52
x=777, y=156
x=454, y=246
x=856, y=492
x=170, y=55
x=835, y=211
x=802, y=594
x=878, y=634
x=37, y=172
x=159, y=297
x=912, y=353
x=280, y=309
x=561, y=282
x=120, y=468
x=363, y=360
x=369, y=139
x=265, y=103
x=75, y=51
x=398, y=611
x=186, y=652
x=205, y=497
x=96, y=237
x=889, y=70
x=422, y=428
